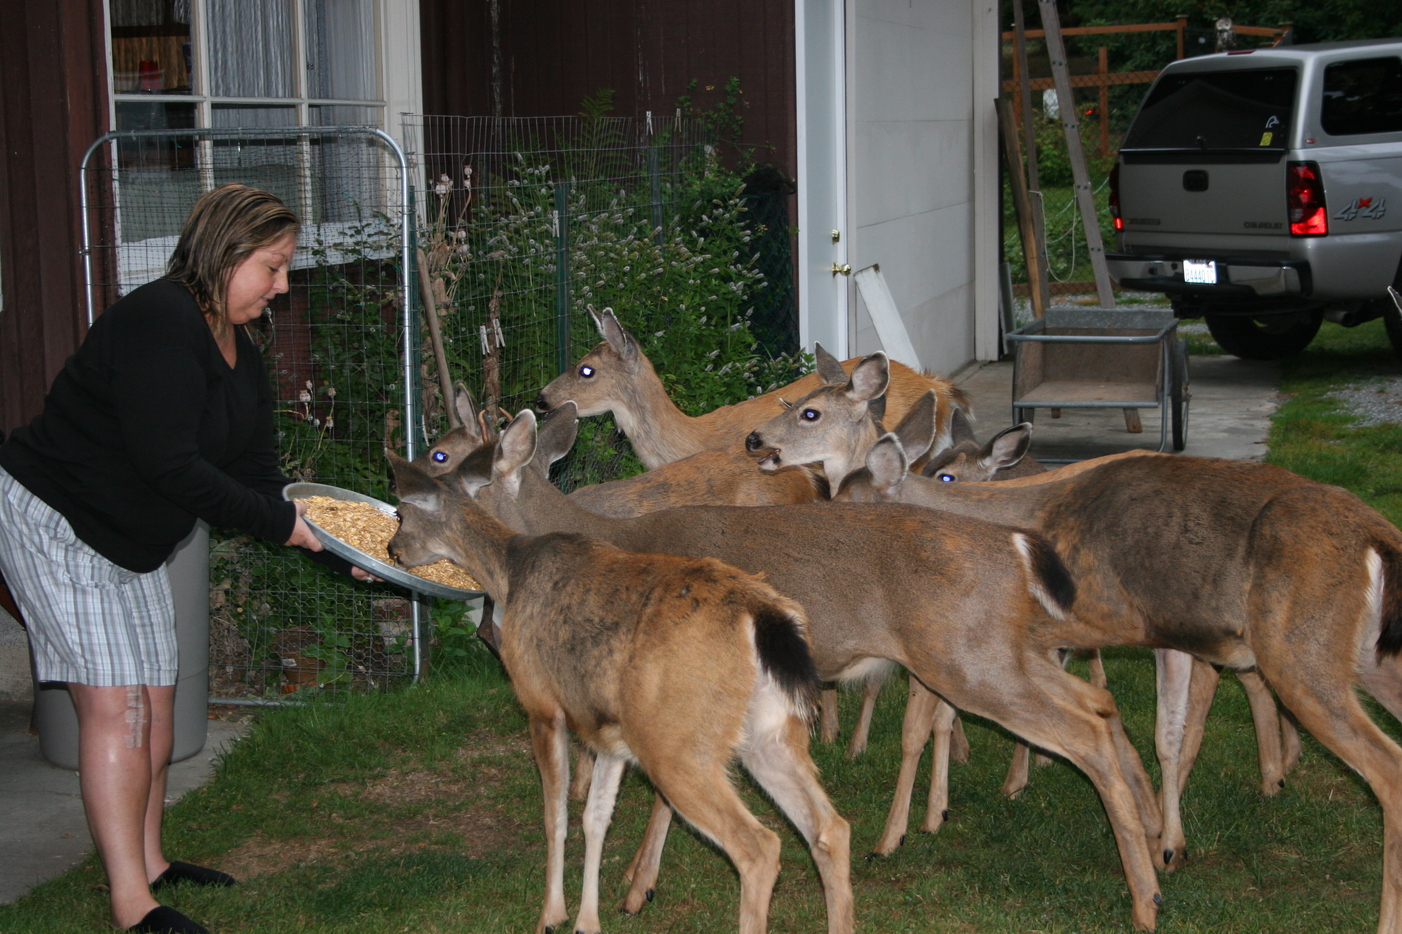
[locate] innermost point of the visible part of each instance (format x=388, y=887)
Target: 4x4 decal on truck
x=1370, y=208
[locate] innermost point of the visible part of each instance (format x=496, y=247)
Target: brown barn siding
x=52, y=106
x=646, y=51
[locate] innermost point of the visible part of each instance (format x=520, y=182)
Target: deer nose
x=541, y=403
x=753, y=442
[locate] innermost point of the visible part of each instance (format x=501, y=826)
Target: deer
x=974, y=610
x=1297, y=580
x=622, y=649
x=616, y=376
x=720, y=477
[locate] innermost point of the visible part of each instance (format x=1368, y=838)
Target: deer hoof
x=1168, y=857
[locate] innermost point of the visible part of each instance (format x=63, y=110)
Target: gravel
x=1375, y=402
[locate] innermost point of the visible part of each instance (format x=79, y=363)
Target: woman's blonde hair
x=224, y=227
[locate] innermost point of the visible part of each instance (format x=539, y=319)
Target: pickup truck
x=1262, y=191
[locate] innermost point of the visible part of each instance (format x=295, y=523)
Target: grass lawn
x=420, y=810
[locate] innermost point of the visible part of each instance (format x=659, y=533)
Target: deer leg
x=920, y=709
x=701, y=792
x=1289, y=741
x=1266, y=719
x=958, y=741
x=1067, y=716
x=647, y=862
x=937, y=804
x=583, y=773
x=871, y=687
x=598, y=811
x=1333, y=713
x=778, y=759
x=1174, y=671
x=1016, y=779
x=551, y=747
x=830, y=729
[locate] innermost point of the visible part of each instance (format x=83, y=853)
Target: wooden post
x=1022, y=204
x=1182, y=32
x=1103, y=69
x=1085, y=198
x=1038, y=284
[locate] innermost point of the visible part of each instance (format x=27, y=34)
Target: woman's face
x=257, y=280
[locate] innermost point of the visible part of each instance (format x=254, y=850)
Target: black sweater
x=147, y=428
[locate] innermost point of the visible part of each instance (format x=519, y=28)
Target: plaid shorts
x=89, y=621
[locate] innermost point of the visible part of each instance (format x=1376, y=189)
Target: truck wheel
x=1265, y=337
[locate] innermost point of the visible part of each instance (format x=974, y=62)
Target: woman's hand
x=302, y=535
x=361, y=574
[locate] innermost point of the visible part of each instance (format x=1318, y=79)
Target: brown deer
x=623, y=650
x=974, y=610
x=616, y=376
x=1243, y=565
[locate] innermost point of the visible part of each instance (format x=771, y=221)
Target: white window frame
x=398, y=79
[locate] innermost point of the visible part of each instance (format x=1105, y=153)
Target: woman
x=163, y=416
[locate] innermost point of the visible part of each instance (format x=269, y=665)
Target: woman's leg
x=124, y=743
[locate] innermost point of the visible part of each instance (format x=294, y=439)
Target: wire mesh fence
x=527, y=221
x=333, y=347
x=521, y=224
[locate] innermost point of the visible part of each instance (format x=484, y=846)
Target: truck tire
x=1264, y=337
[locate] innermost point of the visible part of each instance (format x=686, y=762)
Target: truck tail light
x=1304, y=196
x=1115, y=196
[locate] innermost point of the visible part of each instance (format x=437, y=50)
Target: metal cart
x=1103, y=358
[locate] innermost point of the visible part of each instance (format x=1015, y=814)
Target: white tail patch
x=1024, y=547
x=1372, y=620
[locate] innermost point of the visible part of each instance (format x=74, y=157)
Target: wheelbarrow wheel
x=1179, y=395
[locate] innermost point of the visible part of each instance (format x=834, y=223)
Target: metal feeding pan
x=389, y=572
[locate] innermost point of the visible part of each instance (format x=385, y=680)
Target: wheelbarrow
x=1104, y=358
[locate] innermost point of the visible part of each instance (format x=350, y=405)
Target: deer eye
x=947, y=478
x=810, y=415
x=586, y=371
x=439, y=457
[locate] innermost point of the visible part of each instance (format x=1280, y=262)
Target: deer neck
x=659, y=431
x=539, y=508
x=1016, y=506
x=479, y=545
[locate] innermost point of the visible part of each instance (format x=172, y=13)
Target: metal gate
x=341, y=350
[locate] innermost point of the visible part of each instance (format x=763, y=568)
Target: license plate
x=1200, y=272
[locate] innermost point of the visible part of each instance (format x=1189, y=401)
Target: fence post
x=562, y=277
x=654, y=177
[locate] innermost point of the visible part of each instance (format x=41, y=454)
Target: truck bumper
x=1236, y=279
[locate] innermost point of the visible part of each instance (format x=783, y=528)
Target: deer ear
x=619, y=339
x=1006, y=448
x=830, y=369
x=411, y=484
x=516, y=446
x=959, y=428
x=869, y=378
x=466, y=408
x=888, y=465
x=557, y=431
x=916, y=431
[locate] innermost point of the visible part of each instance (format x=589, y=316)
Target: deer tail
x=1047, y=577
x=785, y=656
x=1390, y=608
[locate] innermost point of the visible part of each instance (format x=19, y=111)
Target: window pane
x=150, y=47
x=341, y=49
x=156, y=176
x=345, y=171
x=1362, y=97
x=261, y=159
x=1217, y=110
x=250, y=48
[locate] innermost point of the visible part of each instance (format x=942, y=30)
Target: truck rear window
x=1231, y=110
x=1364, y=96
